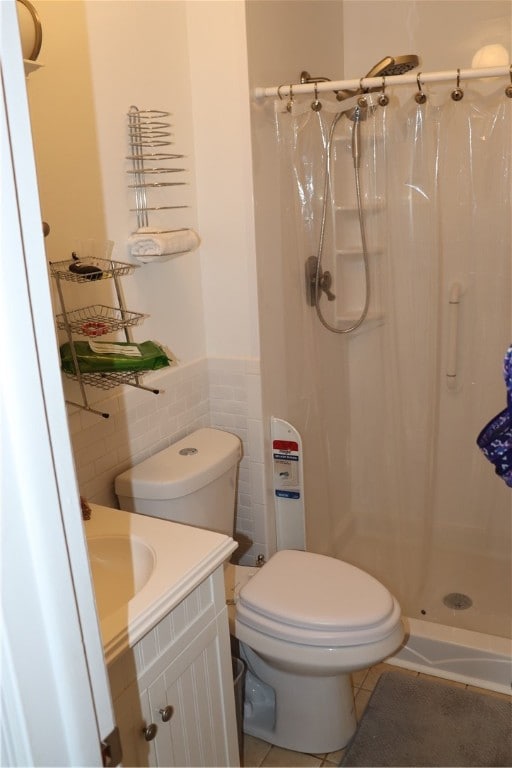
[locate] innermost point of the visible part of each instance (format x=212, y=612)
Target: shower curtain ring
x=316, y=105
x=420, y=96
x=457, y=93
x=383, y=99
x=279, y=91
x=289, y=106
x=362, y=100
x=508, y=89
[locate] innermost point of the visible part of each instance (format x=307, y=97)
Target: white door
x=56, y=706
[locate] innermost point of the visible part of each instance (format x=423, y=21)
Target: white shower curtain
x=392, y=472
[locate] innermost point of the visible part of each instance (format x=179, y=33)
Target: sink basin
x=142, y=568
x=121, y=566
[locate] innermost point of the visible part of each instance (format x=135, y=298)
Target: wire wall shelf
x=98, y=320
x=104, y=269
x=109, y=380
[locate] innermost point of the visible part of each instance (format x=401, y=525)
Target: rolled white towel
x=153, y=245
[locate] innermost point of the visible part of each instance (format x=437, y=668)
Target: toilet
x=304, y=622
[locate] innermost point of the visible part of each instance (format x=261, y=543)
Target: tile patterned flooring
x=258, y=753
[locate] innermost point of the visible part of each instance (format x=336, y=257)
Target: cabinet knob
x=166, y=713
x=149, y=731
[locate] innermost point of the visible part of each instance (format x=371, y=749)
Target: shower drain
x=457, y=601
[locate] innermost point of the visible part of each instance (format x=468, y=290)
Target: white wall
x=284, y=38
x=444, y=33
x=139, y=56
x=220, y=108
x=188, y=58
x=64, y=131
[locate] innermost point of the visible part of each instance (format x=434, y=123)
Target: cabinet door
x=197, y=686
x=133, y=715
x=202, y=728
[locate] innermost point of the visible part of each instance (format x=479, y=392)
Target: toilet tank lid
x=183, y=467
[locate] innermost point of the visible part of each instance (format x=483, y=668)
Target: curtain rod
x=376, y=82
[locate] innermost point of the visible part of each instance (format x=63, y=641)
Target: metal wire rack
x=66, y=270
x=109, y=380
x=97, y=320
x=149, y=138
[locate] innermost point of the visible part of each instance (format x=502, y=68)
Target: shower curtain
x=389, y=414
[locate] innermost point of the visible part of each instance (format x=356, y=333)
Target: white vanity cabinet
x=173, y=690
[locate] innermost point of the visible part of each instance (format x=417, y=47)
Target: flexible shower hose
x=327, y=189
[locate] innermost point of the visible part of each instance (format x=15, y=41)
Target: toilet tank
x=192, y=482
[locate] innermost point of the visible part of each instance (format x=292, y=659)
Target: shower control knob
x=325, y=285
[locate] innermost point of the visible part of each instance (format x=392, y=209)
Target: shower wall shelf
x=348, y=266
x=95, y=321
x=372, y=320
x=352, y=252
x=374, y=207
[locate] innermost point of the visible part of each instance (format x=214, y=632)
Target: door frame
x=56, y=703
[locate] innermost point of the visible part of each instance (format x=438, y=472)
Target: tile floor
x=258, y=753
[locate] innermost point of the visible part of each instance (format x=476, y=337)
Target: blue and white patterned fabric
x=495, y=439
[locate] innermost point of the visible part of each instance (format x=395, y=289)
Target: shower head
x=390, y=66
x=387, y=67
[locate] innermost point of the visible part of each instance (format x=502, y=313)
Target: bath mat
x=410, y=721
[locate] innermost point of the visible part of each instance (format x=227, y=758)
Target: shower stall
x=395, y=316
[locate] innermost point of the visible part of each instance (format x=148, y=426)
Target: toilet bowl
x=306, y=622
x=303, y=621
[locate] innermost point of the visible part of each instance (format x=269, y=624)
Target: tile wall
x=223, y=393
x=235, y=405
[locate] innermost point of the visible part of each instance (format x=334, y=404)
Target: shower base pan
x=457, y=654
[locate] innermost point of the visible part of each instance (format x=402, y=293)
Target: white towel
x=153, y=245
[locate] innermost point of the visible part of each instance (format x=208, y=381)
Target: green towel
x=152, y=357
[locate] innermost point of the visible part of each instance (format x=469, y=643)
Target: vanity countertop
x=143, y=567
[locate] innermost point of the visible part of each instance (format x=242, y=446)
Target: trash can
x=238, y=683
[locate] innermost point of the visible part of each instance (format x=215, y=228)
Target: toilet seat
x=311, y=599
